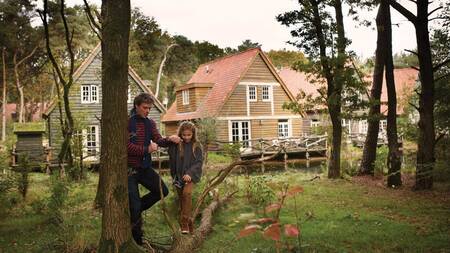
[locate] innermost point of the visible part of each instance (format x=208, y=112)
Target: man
x=144, y=139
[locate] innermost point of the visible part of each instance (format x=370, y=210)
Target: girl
x=186, y=160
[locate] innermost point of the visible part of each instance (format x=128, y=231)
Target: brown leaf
x=248, y=230
x=273, y=232
x=273, y=207
x=294, y=190
x=291, y=230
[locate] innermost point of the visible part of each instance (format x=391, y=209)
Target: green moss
x=29, y=127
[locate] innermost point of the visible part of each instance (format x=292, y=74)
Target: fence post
x=263, y=166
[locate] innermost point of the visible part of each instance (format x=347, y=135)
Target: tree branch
x=92, y=23
x=222, y=174
x=413, y=105
x=27, y=57
x=405, y=12
x=431, y=12
x=43, y=16
x=412, y=52
x=416, y=68
x=440, y=65
x=442, y=77
x=69, y=44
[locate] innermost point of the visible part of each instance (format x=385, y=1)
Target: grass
x=335, y=216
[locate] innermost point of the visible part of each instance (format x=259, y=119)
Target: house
x=245, y=95
x=86, y=104
x=405, y=83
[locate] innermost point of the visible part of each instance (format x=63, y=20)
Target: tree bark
x=426, y=141
x=116, y=230
x=4, y=98
x=393, y=159
x=335, y=95
x=191, y=243
x=370, y=144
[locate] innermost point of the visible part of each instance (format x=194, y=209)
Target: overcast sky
x=228, y=23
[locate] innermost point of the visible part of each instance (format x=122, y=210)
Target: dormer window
x=252, y=93
x=185, y=95
x=89, y=94
x=266, y=93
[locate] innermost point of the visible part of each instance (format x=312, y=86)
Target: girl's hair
x=188, y=125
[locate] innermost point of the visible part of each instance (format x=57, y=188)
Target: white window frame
x=269, y=93
x=89, y=93
x=383, y=126
x=89, y=150
x=363, y=126
x=284, y=128
x=236, y=132
x=252, y=93
x=315, y=123
x=185, y=96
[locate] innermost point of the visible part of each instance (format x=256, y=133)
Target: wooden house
x=86, y=105
x=405, y=83
x=245, y=95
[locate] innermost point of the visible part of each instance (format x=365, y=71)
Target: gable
x=258, y=71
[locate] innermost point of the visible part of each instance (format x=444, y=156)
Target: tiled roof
x=405, y=82
x=296, y=81
x=224, y=73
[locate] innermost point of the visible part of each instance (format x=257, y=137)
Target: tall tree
x=116, y=230
x=393, y=159
x=427, y=136
x=4, y=99
x=65, y=79
x=314, y=24
x=247, y=44
x=370, y=144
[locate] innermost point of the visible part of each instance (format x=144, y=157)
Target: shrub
x=258, y=192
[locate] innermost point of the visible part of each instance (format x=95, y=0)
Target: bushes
x=258, y=193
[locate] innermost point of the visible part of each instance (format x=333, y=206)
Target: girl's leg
x=186, y=207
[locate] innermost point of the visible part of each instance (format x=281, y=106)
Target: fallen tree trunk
x=188, y=243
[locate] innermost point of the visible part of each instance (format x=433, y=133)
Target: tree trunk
x=19, y=89
x=191, y=243
x=335, y=95
x=4, y=99
x=426, y=141
x=161, y=66
x=393, y=159
x=116, y=230
x=370, y=144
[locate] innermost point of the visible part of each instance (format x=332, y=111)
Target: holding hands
x=187, y=178
x=175, y=139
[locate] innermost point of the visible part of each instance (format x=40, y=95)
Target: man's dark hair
x=143, y=98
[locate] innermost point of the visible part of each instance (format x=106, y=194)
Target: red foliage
x=248, y=230
x=273, y=207
x=294, y=190
x=273, y=232
x=291, y=230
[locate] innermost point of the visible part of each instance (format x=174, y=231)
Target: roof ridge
x=230, y=55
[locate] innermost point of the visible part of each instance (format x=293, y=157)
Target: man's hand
x=187, y=178
x=152, y=147
x=175, y=139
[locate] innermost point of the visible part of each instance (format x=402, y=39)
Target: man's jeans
x=150, y=180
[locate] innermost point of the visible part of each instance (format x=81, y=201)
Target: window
x=185, y=95
x=383, y=126
x=89, y=94
x=252, y=93
x=283, y=128
x=91, y=140
x=266, y=93
x=240, y=132
x=315, y=123
x=363, y=126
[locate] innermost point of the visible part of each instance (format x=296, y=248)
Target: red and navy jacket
x=137, y=149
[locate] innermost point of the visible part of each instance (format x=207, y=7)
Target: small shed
x=30, y=137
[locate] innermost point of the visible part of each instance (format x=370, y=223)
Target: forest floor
x=347, y=215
